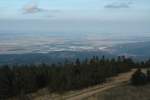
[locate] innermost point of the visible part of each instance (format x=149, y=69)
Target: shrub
x=138, y=78
x=148, y=75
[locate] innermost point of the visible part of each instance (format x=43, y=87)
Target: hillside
x=116, y=89
x=84, y=94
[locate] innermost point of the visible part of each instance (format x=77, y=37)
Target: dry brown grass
x=126, y=92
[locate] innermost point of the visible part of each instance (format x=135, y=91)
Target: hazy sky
x=73, y=9
x=91, y=15
x=32, y=25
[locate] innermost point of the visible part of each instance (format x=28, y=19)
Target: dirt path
x=121, y=79
x=115, y=81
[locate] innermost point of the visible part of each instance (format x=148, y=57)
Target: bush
x=148, y=75
x=138, y=78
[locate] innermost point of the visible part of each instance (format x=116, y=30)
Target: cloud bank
x=118, y=5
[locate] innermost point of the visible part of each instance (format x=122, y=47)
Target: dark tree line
x=22, y=79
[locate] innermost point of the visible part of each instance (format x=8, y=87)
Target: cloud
x=118, y=5
x=34, y=8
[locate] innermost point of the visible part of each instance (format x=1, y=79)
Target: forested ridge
x=22, y=79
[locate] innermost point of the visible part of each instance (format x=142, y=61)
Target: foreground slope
x=126, y=92
x=120, y=80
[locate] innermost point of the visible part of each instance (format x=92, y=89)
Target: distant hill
x=136, y=50
x=51, y=57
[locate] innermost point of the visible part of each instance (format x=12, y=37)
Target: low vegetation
x=140, y=78
x=22, y=79
x=139, y=89
x=125, y=92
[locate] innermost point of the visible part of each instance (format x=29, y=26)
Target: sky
x=75, y=15
x=27, y=25
x=73, y=9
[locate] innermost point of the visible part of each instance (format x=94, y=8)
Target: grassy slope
x=126, y=92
